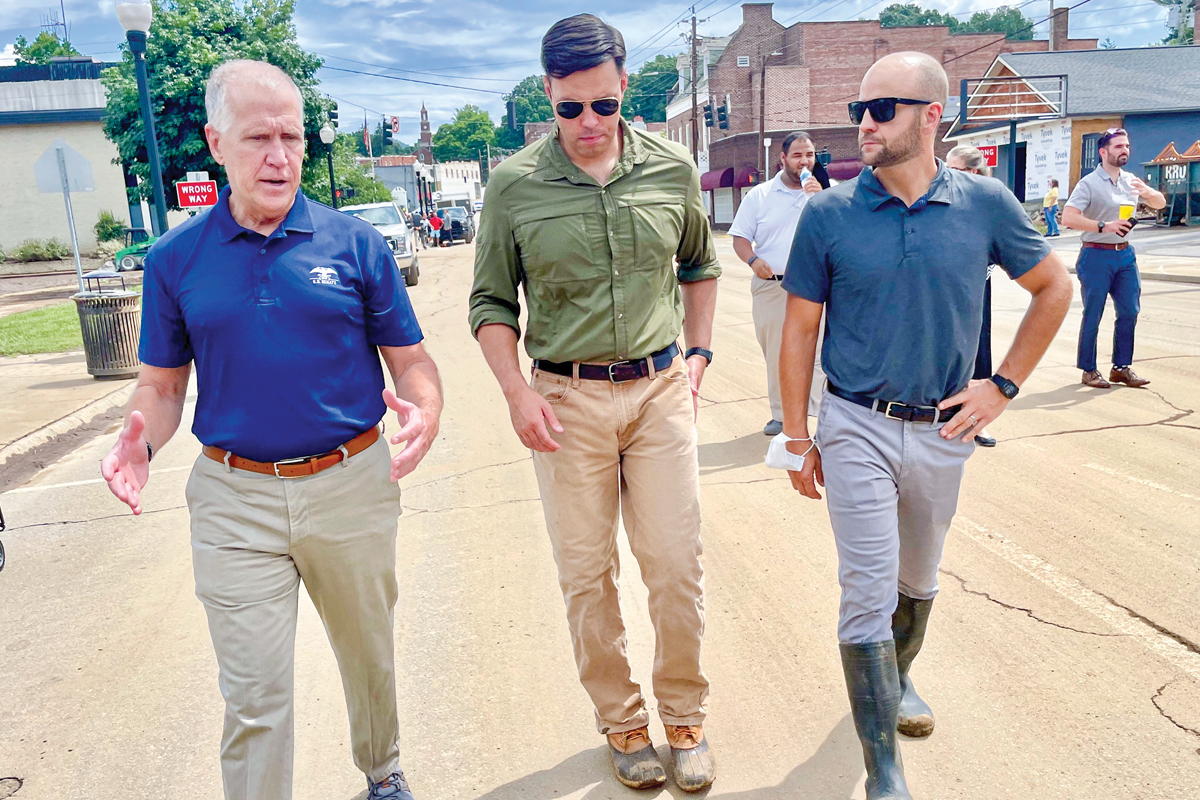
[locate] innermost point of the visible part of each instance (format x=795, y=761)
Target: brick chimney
x=1059, y=28
x=757, y=12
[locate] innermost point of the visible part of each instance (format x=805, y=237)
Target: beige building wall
x=26, y=213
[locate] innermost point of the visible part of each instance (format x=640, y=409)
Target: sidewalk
x=1163, y=254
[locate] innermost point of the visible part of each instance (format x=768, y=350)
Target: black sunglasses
x=570, y=109
x=883, y=109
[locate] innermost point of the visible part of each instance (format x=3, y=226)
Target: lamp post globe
x=135, y=17
x=327, y=134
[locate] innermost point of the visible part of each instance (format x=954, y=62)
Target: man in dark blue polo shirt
x=285, y=306
x=903, y=307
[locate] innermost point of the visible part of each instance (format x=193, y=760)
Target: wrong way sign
x=196, y=194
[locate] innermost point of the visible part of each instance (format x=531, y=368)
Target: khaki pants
x=769, y=307
x=628, y=449
x=254, y=538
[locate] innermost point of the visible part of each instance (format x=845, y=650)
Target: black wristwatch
x=149, y=452
x=1007, y=387
x=1100, y=227
x=699, y=351
x=750, y=263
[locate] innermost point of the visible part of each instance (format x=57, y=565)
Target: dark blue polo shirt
x=283, y=328
x=903, y=287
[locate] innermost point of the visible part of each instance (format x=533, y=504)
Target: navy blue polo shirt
x=903, y=287
x=283, y=328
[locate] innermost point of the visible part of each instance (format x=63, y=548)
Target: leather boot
x=908, y=629
x=635, y=760
x=874, y=688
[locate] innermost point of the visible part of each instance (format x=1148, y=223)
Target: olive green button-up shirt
x=596, y=263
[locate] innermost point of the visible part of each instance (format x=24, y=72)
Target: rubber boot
x=874, y=688
x=908, y=629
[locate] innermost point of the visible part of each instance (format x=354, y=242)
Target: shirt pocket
x=558, y=247
x=656, y=226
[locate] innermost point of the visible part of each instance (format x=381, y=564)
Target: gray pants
x=892, y=492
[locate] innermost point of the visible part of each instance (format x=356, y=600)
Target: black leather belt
x=617, y=371
x=900, y=411
x=777, y=278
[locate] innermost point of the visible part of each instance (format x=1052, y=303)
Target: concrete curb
x=70, y=422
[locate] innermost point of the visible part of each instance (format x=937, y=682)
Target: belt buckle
x=887, y=411
x=616, y=366
x=288, y=462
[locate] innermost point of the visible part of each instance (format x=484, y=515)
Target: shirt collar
x=298, y=219
x=777, y=184
x=875, y=195
x=556, y=164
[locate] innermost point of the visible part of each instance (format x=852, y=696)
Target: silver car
x=387, y=220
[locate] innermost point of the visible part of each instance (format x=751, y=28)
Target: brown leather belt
x=1104, y=246
x=296, y=467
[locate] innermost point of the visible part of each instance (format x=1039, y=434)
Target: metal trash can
x=111, y=323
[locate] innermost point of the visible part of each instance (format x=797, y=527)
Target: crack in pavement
x=731, y=483
x=1167, y=716
x=1170, y=634
x=727, y=402
x=465, y=472
x=1028, y=612
x=419, y=511
x=1171, y=421
x=93, y=519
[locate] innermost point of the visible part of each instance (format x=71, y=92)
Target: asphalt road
x=1062, y=657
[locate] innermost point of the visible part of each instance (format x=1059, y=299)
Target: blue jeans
x=1051, y=215
x=1101, y=273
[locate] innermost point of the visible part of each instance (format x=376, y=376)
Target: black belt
x=617, y=371
x=776, y=278
x=895, y=410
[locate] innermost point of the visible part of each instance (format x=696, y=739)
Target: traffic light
x=387, y=136
x=708, y=115
x=723, y=116
x=824, y=157
x=333, y=117
x=512, y=115
x=348, y=192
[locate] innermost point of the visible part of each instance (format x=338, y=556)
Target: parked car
x=132, y=255
x=460, y=223
x=387, y=220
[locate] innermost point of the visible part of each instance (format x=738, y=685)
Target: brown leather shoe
x=692, y=765
x=635, y=760
x=1095, y=380
x=1127, y=376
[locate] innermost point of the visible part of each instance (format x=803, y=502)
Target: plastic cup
x=1127, y=210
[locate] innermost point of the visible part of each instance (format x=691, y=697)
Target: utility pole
x=762, y=116
x=1053, y=23
x=695, y=81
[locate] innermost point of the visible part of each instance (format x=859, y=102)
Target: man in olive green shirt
x=588, y=222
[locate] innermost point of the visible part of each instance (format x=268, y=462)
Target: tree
x=900, y=15
x=189, y=39
x=1108, y=43
x=46, y=46
x=650, y=88
x=1179, y=32
x=1009, y=21
x=346, y=173
x=462, y=140
x=531, y=105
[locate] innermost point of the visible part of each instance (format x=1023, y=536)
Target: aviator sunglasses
x=883, y=109
x=570, y=109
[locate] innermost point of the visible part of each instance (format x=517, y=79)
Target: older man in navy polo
x=285, y=307
x=898, y=258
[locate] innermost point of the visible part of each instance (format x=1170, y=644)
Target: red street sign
x=989, y=153
x=196, y=194
x=395, y=124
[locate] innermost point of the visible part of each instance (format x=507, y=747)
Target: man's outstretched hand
x=126, y=468
x=416, y=431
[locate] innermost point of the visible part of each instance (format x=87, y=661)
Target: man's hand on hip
x=981, y=403
x=126, y=468
x=416, y=431
x=762, y=269
x=531, y=415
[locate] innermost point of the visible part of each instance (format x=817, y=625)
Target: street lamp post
x=135, y=17
x=328, y=134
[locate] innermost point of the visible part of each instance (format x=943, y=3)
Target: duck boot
x=908, y=628
x=874, y=688
x=635, y=760
x=692, y=764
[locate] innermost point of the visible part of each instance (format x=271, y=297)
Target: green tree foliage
x=531, y=105
x=46, y=46
x=650, y=88
x=1182, y=33
x=188, y=40
x=462, y=140
x=346, y=172
x=1009, y=21
x=108, y=227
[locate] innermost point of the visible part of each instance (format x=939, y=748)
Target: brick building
x=776, y=79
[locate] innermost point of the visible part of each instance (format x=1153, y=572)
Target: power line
x=416, y=71
x=414, y=80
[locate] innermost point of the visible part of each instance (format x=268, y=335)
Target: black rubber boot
x=908, y=629
x=874, y=688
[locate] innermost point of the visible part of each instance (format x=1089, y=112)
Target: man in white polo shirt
x=762, y=235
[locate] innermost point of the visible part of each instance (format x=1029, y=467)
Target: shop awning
x=746, y=176
x=716, y=179
x=845, y=169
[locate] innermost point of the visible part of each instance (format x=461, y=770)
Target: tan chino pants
x=768, y=307
x=628, y=449
x=254, y=538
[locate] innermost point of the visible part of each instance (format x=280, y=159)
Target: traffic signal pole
x=695, y=81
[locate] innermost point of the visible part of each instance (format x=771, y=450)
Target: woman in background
x=1050, y=209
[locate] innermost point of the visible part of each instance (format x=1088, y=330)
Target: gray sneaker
x=773, y=428
x=393, y=787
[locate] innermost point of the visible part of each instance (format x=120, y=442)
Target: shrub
x=106, y=250
x=41, y=250
x=108, y=227
x=3, y=255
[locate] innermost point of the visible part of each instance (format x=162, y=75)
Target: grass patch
x=52, y=329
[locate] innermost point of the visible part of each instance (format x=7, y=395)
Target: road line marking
x=1116, y=617
x=1142, y=481
x=84, y=483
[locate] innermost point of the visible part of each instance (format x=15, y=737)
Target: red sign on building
x=196, y=194
x=989, y=152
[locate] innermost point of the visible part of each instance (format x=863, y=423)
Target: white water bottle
x=804, y=174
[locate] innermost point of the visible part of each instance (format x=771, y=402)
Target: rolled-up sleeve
x=164, y=338
x=697, y=256
x=495, y=297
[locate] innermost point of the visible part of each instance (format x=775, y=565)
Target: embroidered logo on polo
x=324, y=276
